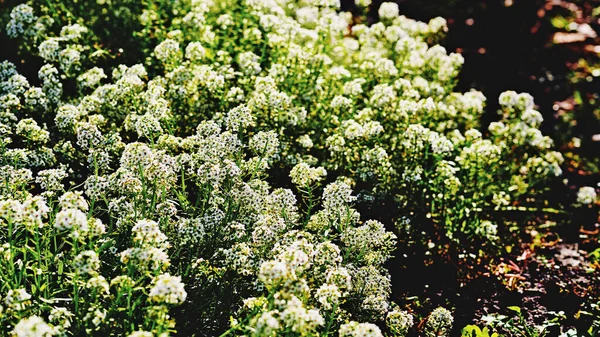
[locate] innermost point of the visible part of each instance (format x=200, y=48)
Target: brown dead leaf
x=586, y=232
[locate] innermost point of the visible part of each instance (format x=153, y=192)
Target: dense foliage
x=197, y=166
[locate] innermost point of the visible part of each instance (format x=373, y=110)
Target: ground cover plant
x=246, y=167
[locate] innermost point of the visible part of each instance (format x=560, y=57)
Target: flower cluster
x=439, y=323
x=586, y=195
x=167, y=289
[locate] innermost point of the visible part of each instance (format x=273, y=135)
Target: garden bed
x=283, y=168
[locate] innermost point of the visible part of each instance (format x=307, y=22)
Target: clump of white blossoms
x=21, y=18
x=71, y=220
x=86, y=262
x=328, y=295
x=304, y=176
x=194, y=51
x=168, y=51
x=33, y=326
x=91, y=78
x=167, y=289
x=439, y=323
x=388, y=11
x=17, y=299
x=399, y=322
x=355, y=329
x=586, y=195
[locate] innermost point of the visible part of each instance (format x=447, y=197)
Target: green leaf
x=471, y=331
x=106, y=245
x=32, y=252
x=577, y=97
x=45, y=300
x=515, y=309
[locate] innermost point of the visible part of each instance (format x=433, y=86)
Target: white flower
x=439, y=323
x=71, y=219
x=273, y=272
x=399, y=322
x=167, y=289
x=299, y=319
x=532, y=117
x=21, y=19
x=304, y=176
x=586, y=195
x=86, y=262
x=17, y=299
x=265, y=144
x=147, y=125
x=167, y=51
x=239, y=118
x=91, y=78
x=33, y=326
x=148, y=233
x=524, y=101
x=267, y=323
x=363, y=3
x=388, y=11
x=73, y=200
x=195, y=52
x=337, y=196
x=72, y=32
x=49, y=49
x=355, y=329
x=508, y=99
x=61, y=317
x=249, y=63
x=69, y=59
x=328, y=295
